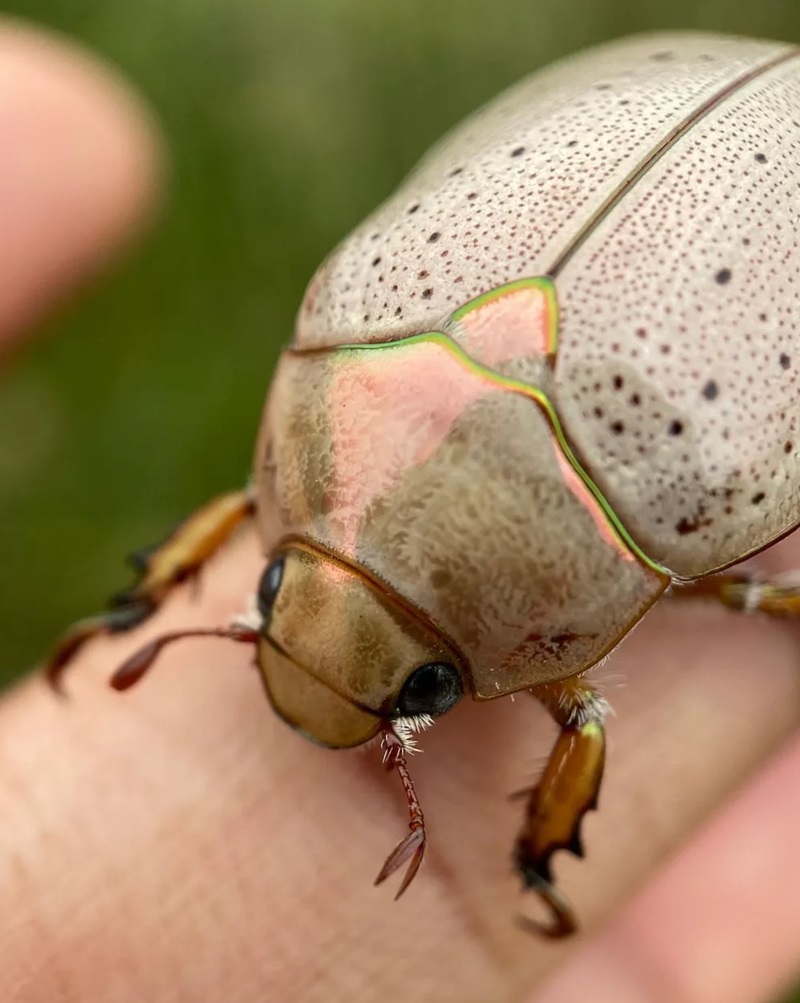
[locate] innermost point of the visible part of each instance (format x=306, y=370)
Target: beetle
x=553, y=376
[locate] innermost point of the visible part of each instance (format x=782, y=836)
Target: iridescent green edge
x=542, y=282
x=516, y=386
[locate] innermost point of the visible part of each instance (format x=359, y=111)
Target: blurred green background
x=287, y=120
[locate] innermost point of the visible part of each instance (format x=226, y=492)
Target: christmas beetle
x=552, y=376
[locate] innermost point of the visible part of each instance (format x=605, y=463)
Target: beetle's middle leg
x=778, y=597
x=567, y=790
x=160, y=569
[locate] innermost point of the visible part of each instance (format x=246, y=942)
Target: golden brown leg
x=567, y=790
x=160, y=569
x=780, y=597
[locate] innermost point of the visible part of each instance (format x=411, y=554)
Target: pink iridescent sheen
x=515, y=325
x=580, y=490
x=389, y=410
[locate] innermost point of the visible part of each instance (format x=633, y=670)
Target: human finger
x=78, y=174
x=257, y=849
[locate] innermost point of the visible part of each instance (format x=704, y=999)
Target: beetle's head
x=340, y=653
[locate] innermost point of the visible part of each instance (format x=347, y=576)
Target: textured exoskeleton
x=555, y=372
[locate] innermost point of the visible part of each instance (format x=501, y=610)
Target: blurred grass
x=287, y=120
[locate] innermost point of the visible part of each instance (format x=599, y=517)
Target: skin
x=180, y=843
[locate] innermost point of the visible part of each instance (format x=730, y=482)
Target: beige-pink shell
x=657, y=180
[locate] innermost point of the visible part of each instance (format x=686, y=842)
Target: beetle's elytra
x=556, y=372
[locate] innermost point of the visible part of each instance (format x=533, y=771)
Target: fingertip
x=81, y=170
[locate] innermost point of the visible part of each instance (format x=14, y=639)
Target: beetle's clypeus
x=554, y=373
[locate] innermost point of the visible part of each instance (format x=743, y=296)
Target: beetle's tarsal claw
x=537, y=877
x=563, y=922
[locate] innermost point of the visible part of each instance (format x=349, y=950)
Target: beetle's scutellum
x=554, y=373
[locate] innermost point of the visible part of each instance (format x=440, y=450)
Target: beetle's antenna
x=412, y=848
x=133, y=668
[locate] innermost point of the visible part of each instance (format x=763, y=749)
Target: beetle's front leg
x=160, y=569
x=567, y=789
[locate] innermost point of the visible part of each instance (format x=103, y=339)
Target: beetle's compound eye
x=269, y=586
x=431, y=689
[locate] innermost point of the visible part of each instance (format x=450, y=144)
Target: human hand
x=180, y=843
